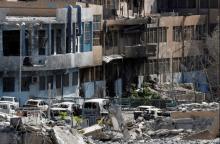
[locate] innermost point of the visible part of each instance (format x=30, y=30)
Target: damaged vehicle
x=7, y=108
x=10, y=99
x=147, y=112
x=41, y=104
x=58, y=113
x=94, y=109
x=70, y=107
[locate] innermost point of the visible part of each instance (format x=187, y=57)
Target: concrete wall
x=61, y=61
x=191, y=47
x=43, y=7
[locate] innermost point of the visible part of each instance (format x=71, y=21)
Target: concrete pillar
x=1, y=41
x=49, y=39
x=1, y=85
x=23, y=46
x=53, y=92
x=54, y=40
x=64, y=40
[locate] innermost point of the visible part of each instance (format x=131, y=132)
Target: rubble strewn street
x=109, y=71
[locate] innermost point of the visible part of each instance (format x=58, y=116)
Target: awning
x=110, y=58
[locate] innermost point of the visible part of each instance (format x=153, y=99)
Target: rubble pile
x=198, y=106
x=155, y=131
x=162, y=130
x=41, y=134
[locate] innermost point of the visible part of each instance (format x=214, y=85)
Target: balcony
x=53, y=62
x=134, y=51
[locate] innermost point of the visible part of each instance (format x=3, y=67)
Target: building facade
x=38, y=51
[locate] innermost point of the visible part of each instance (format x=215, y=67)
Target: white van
x=94, y=109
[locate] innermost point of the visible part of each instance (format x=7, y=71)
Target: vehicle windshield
x=143, y=109
x=7, y=99
x=34, y=103
x=3, y=107
x=91, y=105
x=64, y=106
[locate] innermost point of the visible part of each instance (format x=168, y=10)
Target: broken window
x=214, y=3
x=162, y=34
x=52, y=41
x=27, y=43
x=200, y=32
x=66, y=80
x=155, y=34
x=99, y=73
x=173, y=4
x=177, y=33
x=189, y=32
x=87, y=33
x=191, y=3
x=204, y=3
x=8, y=84
x=58, y=81
x=176, y=65
x=58, y=41
x=75, y=78
x=86, y=39
x=109, y=4
x=42, y=41
x=42, y=83
x=96, y=29
x=182, y=4
x=11, y=43
x=25, y=83
x=50, y=80
x=85, y=75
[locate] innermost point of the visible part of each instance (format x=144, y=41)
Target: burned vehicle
x=147, y=112
x=94, y=109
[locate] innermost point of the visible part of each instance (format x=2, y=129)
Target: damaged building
x=60, y=50
x=131, y=40
x=164, y=42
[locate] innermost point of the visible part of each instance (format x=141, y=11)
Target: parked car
x=8, y=108
x=41, y=104
x=10, y=99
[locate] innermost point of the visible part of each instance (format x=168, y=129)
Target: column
x=1, y=40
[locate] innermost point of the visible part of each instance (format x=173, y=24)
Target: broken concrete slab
x=65, y=135
x=94, y=131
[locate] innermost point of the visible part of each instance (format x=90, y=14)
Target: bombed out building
x=155, y=38
x=57, y=51
x=122, y=42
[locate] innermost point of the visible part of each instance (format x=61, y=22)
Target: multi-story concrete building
x=61, y=49
x=175, y=36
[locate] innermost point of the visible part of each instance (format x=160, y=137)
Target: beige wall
x=191, y=48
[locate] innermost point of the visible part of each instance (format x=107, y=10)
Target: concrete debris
x=94, y=131
x=182, y=126
x=198, y=106
x=65, y=135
